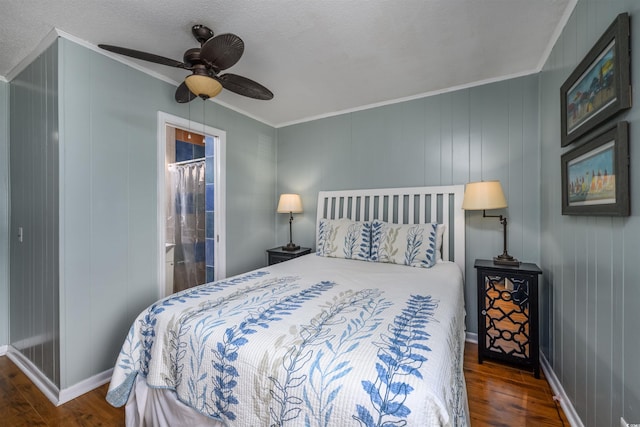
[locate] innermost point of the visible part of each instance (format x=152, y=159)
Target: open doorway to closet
x=190, y=204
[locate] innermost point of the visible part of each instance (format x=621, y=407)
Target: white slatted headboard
x=411, y=205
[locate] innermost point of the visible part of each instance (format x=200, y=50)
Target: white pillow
x=344, y=238
x=408, y=244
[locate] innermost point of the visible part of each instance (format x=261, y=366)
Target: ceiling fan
x=205, y=62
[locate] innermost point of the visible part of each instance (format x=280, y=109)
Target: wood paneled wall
x=34, y=285
x=109, y=126
x=83, y=187
x=4, y=214
x=485, y=132
x=591, y=279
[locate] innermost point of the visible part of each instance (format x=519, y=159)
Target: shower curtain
x=188, y=223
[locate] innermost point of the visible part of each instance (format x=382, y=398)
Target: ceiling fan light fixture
x=216, y=53
x=203, y=86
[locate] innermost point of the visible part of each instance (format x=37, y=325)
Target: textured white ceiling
x=317, y=56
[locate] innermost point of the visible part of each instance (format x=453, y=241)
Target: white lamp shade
x=484, y=195
x=289, y=203
x=203, y=86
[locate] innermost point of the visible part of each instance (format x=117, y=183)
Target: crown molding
x=115, y=57
x=124, y=60
x=409, y=98
x=556, y=34
x=244, y=113
x=44, y=44
x=53, y=35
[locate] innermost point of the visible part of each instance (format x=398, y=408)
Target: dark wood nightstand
x=278, y=254
x=508, y=314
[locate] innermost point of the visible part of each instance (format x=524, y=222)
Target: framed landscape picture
x=600, y=85
x=595, y=175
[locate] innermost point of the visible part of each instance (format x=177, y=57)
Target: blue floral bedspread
x=338, y=343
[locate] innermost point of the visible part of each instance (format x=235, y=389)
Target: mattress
x=313, y=341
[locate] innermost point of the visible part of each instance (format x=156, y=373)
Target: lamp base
x=290, y=247
x=505, y=259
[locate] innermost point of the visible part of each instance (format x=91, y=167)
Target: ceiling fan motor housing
x=201, y=33
x=192, y=57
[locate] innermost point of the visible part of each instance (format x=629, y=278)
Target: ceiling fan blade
x=142, y=55
x=183, y=94
x=222, y=51
x=244, y=86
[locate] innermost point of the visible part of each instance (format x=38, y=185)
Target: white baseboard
x=472, y=337
x=554, y=382
x=44, y=384
x=48, y=388
x=84, y=386
x=3, y=349
x=560, y=394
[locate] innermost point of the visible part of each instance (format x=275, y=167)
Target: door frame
x=220, y=246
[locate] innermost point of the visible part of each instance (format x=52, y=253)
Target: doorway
x=191, y=204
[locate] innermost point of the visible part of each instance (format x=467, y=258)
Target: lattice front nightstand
x=508, y=314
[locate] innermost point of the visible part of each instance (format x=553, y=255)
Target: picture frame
x=600, y=86
x=595, y=175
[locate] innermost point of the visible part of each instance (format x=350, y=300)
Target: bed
x=358, y=333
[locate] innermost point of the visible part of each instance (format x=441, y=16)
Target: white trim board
x=3, y=349
x=408, y=98
x=55, y=33
x=220, y=156
x=48, y=388
x=51, y=37
x=84, y=386
x=47, y=41
x=559, y=394
x=44, y=384
x=556, y=34
x=472, y=337
x=538, y=68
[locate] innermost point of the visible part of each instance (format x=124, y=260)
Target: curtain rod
x=186, y=162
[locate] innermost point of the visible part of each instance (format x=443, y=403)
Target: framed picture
x=600, y=85
x=595, y=175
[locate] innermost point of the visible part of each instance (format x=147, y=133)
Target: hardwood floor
x=498, y=396
x=503, y=396
x=22, y=404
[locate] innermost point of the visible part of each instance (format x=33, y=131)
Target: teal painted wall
x=590, y=264
x=34, y=281
x=87, y=266
x=591, y=270
x=4, y=213
x=108, y=122
x=485, y=132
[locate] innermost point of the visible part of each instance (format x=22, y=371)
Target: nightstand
x=508, y=314
x=278, y=254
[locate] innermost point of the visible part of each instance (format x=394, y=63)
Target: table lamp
x=290, y=203
x=485, y=195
